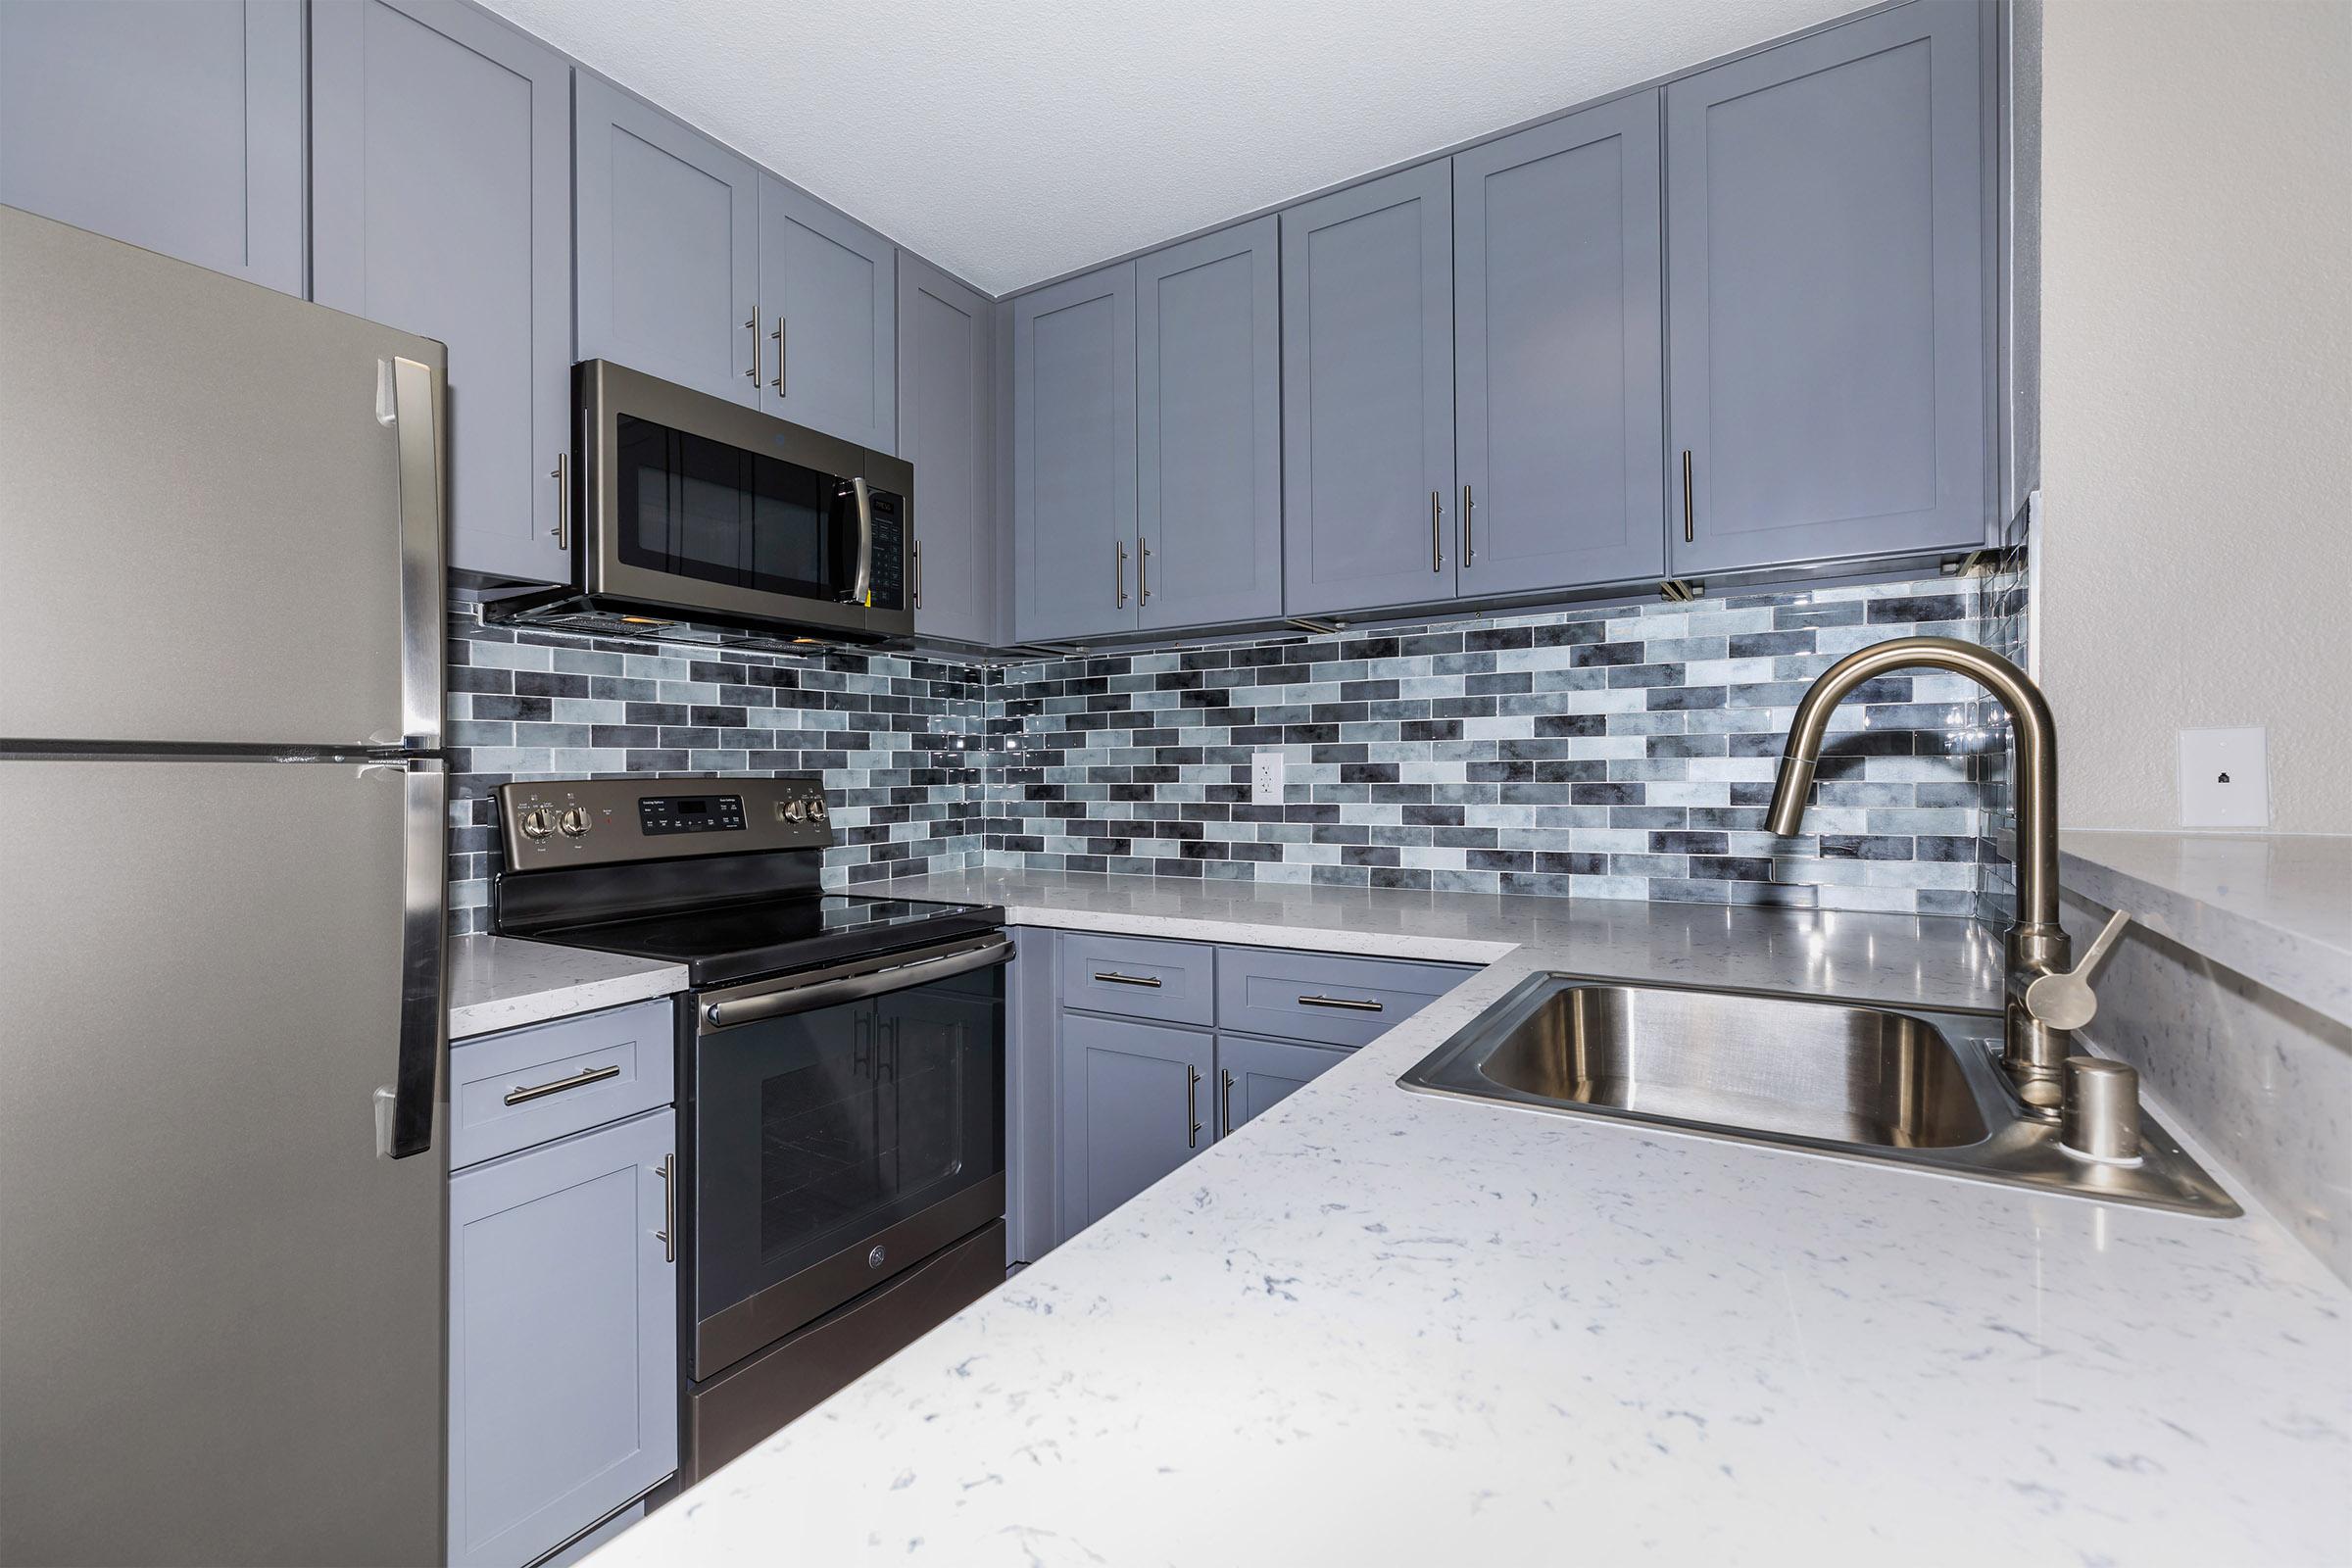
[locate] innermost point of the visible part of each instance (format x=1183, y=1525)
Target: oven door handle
x=806, y=998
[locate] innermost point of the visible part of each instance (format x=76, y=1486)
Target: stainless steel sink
x=1859, y=1082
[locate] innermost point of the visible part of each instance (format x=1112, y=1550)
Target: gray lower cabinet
x=563, y=1327
x=1073, y=456
x=1559, y=353
x=828, y=313
x=947, y=391
x=441, y=204
x=1825, y=202
x=1368, y=394
x=174, y=125
x=667, y=251
x=1208, y=429
x=1255, y=1075
x=1135, y=1104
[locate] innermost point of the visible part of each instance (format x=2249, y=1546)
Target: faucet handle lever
x=2064, y=1000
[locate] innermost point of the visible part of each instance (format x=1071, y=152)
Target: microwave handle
x=861, y=591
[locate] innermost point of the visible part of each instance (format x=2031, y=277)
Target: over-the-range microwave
x=695, y=508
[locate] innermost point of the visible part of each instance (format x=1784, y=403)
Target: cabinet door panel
x=441, y=204
x=668, y=250
x=172, y=124
x=1208, y=429
x=1135, y=1106
x=562, y=1339
x=1255, y=1075
x=945, y=429
x=832, y=365
x=1073, y=462
x=1367, y=342
x=1826, y=294
x=1560, y=354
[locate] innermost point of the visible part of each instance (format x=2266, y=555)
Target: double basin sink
x=1859, y=1082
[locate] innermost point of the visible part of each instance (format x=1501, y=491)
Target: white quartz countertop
x=1381, y=1327
x=502, y=983
x=2274, y=906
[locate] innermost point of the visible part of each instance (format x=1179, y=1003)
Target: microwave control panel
x=597, y=822
x=889, y=582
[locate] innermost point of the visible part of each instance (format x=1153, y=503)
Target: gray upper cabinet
x=1073, y=456
x=1136, y=1103
x=174, y=125
x=562, y=1366
x=441, y=205
x=1208, y=437
x=945, y=401
x=668, y=246
x=827, y=314
x=1368, y=394
x=1559, y=353
x=1826, y=294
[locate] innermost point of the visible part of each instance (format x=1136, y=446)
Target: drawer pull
x=1349, y=1004
x=1113, y=977
x=592, y=1075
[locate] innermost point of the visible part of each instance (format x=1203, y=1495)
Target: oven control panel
x=597, y=822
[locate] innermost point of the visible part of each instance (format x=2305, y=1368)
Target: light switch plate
x=1265, y=778
x=2225, y=778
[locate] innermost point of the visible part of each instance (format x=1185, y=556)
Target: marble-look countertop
x=1381, y=1327
x=502, y=982
x=2277, y=907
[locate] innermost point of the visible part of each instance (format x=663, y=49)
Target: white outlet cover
x=1265, y=778
x=2225, y=778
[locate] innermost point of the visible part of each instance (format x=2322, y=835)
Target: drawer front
x=1137, y=977
x=1323, y=997
x=524, y=1087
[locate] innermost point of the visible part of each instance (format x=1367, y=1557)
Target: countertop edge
x=547, y=982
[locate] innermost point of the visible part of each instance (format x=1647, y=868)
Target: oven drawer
x=731, y=1414
x=524, y=1087
x=1324, y=997
x=1137, y=977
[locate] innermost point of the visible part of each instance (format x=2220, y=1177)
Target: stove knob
x=792, y=810
x=538, y=822
x=816, y=810
x=575, y=823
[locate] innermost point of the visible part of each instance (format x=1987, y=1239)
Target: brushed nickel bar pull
x=1191, y=1107
x=1143, y=569
x=1436, y=530
x=753, y=326
x=1113, y=977
x=778, y=336
x=1688, y=534
x=1469, y=505
x=1228, y=1077
x=562, y=477
x=520, y=1094
x=1349, y=1004
x=918, y=548
x=668, y=1233
x=1118, y=573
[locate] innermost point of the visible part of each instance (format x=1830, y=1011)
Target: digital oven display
x=688, y=813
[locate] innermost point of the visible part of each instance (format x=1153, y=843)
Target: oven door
x=849, y=1123
x=698, y=504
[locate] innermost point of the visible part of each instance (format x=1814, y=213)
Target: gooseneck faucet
x=2039, y=1024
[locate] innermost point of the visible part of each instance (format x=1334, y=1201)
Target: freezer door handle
x=423, y=1022
x=413, y=411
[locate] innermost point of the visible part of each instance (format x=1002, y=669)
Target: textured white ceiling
x=1013, y=141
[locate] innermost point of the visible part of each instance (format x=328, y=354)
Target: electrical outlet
x=1265, y=778
x=2225, y=778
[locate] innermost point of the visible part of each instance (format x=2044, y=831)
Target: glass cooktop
x=729, y=942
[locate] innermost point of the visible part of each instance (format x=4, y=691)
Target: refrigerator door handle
x=424, y=1021
x=413, y=411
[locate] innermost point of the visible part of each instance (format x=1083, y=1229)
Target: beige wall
x=2197, y=425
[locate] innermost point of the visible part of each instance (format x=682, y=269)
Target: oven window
x=818, y=1129
x=697, y=507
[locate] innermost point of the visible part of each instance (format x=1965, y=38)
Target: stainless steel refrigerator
x=222, y=1181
